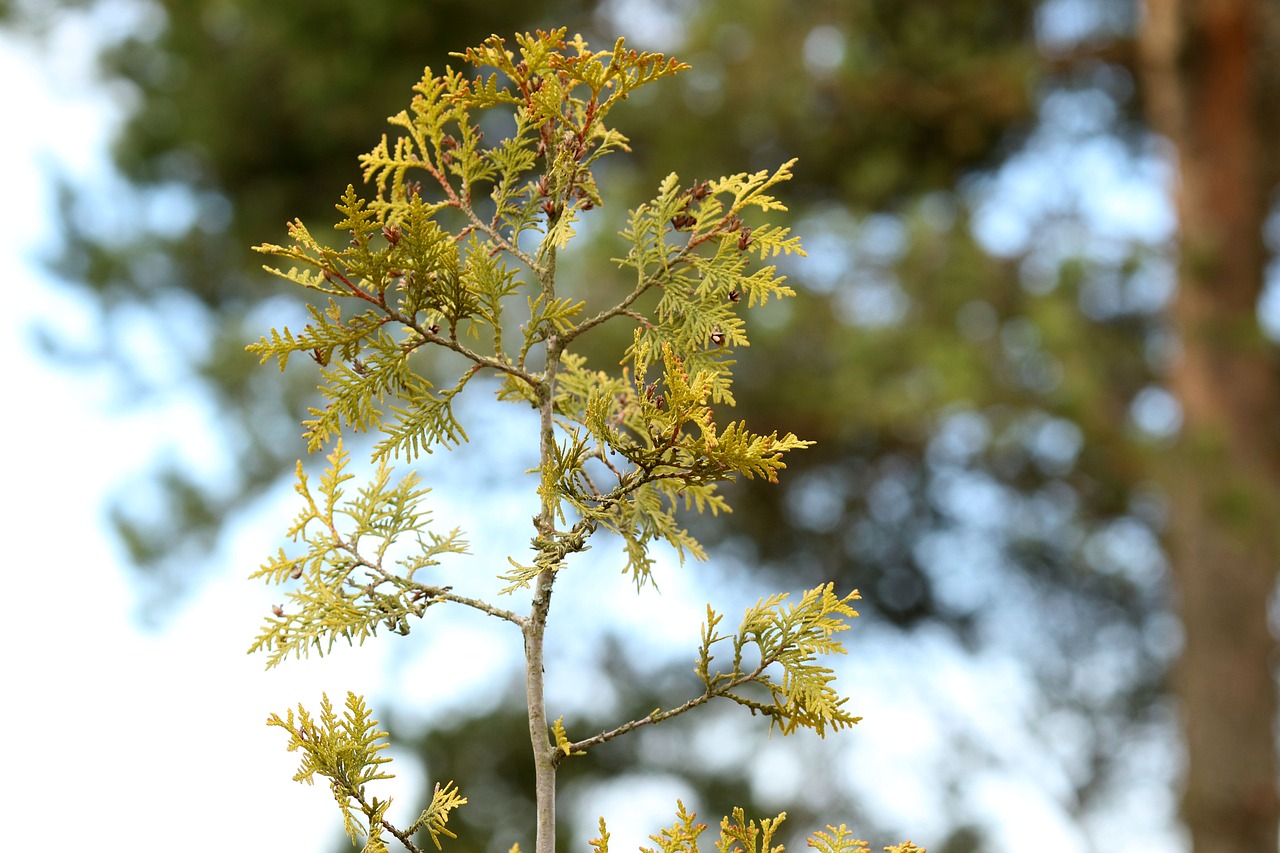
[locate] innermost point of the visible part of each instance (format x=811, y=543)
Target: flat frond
x=424, y=421
x=342, y=584
x=739, y=835
x=600, y=844
x=788, y=638
x=445, y=799
x=682, y=837
x=518, y=577
x=345, y=750
x=837, y=839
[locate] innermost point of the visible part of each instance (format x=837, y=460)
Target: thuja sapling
x=457, y=251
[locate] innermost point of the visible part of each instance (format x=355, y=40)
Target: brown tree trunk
x=1210, y=91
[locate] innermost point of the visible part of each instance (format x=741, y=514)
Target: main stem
x=544, y=751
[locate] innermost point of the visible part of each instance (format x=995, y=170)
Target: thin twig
x=659, y=716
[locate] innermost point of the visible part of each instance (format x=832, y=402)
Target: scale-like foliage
x=788, y=638
x=694, y=243
x=739, y=835
x=435, y=818
x=345, y=750
x=347, y=583
x=440, y=262
x=682, y=837
x=841, y=840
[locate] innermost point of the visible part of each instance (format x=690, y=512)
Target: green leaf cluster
x=410, y=279
x=455, y=259
x=345, y=750
x=739, y=835
x=703, y=270
x=348, y=580
x=637, y=452
x=788, y=638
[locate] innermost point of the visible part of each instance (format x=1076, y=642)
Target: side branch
x=502, y=242
x=646, y=282
x=618, y=310
x=725, y=225
x=433, y=593
x=463, y=204
x=659, y=715
x=403, y=837
x=426, y=335
x=442, y=594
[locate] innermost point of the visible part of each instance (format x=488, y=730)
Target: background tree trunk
x=1211, y=93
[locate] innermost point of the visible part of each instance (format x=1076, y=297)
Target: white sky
x=114, y=731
